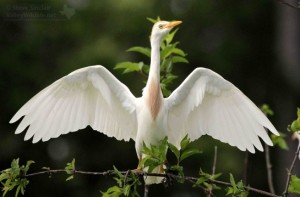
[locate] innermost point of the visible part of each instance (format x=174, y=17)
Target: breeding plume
x=205, y=103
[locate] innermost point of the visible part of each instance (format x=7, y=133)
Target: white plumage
x=88, y=96
x=205, y=103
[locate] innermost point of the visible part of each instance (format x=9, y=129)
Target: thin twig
x=108, y=172
x=146, y=190
x=289, y=173
x=222, y=183
x=215, y=161
x=209, y=191
x=126, y=176
x=269, y=169
x=288, y=4
x=246, y=161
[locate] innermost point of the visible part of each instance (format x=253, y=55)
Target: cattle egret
x=205, y=103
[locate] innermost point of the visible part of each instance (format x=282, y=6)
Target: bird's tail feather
x=149, y=180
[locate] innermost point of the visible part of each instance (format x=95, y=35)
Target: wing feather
x=88, y=96
x=206, y=103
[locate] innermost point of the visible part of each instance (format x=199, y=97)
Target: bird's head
x=161, y=28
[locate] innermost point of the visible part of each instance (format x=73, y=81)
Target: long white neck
x=154, y=73
x=152, y=92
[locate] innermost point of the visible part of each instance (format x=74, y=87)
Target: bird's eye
x=161, y=26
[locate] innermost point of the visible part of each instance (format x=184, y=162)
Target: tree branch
x=269, y=169
x=289, y=173
x=105, y=173
x=146, y=190
x=288, y=4
x=246, y=161
x=141, y=173
x=209, y=192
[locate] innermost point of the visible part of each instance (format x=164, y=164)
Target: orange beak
x=172, y=24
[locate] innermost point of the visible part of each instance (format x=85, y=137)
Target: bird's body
x=205, y=103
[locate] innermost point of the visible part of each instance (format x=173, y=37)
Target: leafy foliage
x=295, y=126
x=181, y=154
x=280, y=141
x=294, y=185
x=156, y=156
x=126, y=185
x=70, y=169
x=13, y=177
x=204, y=180
x=170, y=54
x=267, y=110
x=277, y=140
x=236, y=189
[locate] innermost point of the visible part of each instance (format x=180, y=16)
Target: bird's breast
x=150, y=130
x=154, y=98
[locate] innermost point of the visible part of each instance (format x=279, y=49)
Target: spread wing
x=88, y=96
x=206, y=103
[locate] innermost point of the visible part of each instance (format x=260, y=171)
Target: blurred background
x=253, y=44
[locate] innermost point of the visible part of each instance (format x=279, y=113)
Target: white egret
x=205, y=103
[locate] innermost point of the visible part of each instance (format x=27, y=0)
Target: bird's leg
x=139, y=167
x=161, y=169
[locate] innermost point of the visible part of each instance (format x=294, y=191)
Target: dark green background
x=248, y=42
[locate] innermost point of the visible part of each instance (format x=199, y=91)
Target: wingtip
x=13, y=119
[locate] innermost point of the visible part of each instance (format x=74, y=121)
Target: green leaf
x=267, y=110
x=143, y=50
x=166, y=63
x=169, y=37
x=204, y=179
x=117, y=172
x=113, y=191
x=179, y=59
x=146, y=150
x=70, y=169
x=129, y=66
x=236, y=189
x=280, y=141
x=200, y=181
x=179, y=52
x=295, y=126
x=232, y=182
x=174, y=150
x=28, y=164
x=166, y=52
x=3, y=175
x=294, y=186
x=70, y=178
x=152, y=163
x=153, y=20
x=163, y=146
x=169, y=78
x=166, y=92
x=189, y=152
x=184, y=142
